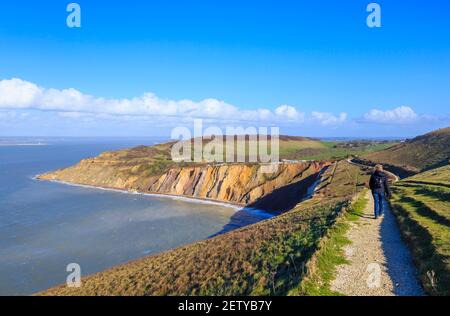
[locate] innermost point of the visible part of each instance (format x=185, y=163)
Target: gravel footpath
x=380, y=263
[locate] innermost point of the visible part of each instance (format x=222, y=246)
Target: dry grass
x=268, y=258
x=156, y=160
x=419, y=154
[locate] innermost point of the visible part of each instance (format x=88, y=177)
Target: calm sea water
x=45, y=226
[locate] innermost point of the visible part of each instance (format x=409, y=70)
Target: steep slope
x=235, y=183
x=151, y=170
x=267, y=258
x=421, y=153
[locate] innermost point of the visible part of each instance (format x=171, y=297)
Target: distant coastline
x=24, y=144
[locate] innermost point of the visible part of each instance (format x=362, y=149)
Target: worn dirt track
x=380, y=263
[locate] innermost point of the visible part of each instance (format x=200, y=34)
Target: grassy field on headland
x=334, y=150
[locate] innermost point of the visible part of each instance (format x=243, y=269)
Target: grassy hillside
x=302, y=148
x=268, y=258
x=155, y=160
x=334, y=150
x=419, y=154
x=422, y=206
x=138, y=168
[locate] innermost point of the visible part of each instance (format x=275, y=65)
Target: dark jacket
x=379, y=183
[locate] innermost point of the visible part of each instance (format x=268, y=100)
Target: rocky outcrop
x=240, y=184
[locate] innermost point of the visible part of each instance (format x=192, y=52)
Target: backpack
x=378, y=182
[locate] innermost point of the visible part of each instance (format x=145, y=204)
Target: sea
x=46, y=227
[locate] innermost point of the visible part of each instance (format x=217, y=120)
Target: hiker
x=380, y=188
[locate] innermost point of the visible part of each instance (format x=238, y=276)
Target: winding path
x=380, y=264
x=392, y=175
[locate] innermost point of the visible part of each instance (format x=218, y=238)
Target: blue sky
x=313, y=68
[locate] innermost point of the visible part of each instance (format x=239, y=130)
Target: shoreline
x=189, y=199
x=237, y=208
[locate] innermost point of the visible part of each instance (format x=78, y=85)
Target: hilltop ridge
x=421, y=153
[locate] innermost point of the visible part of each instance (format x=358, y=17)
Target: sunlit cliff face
x=235, y=183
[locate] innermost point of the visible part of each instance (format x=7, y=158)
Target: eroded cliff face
x=240, y=184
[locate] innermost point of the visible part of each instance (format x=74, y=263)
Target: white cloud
x=402, y=114
x=17, y=94
x=289, y=112
x=20, y=94
x=327, y=118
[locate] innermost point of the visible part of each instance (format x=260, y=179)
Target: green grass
x=439, y=176
x=422, y=209
x=422, y=153
x=429, y=207
x=333, y=151
x=440, y=192
x=300, y=148
x=331, y=254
